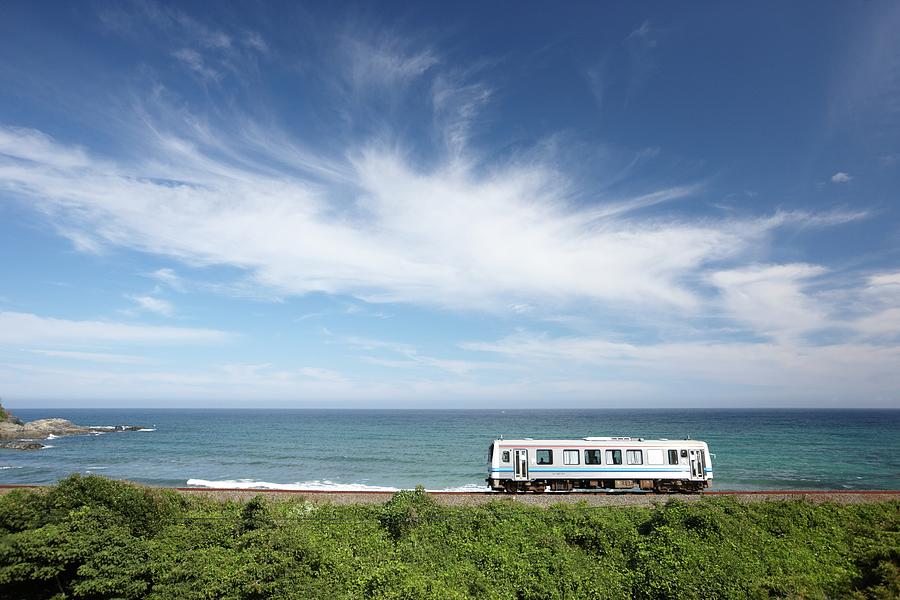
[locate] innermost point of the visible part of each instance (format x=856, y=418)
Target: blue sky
x=450, y=205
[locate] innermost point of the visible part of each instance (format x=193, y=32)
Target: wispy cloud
x=789, y=371
x=321, y=374
x=441, y=237
x=26, y=328
x=446, y=236
x=170, y=278
x=99, y=357
x=432, y=219
x=208, y=51
x=133, y=18
x=408, y=356
x=153, y=304
x=640, y=45
x=194, y=61
x=381, y=59
x=771, y=298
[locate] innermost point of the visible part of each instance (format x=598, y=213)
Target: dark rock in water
x=21, y=445
x=44, y=428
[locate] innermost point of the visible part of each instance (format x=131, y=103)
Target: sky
x=450, y=205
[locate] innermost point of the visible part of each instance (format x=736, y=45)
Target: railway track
x=510, y=495
x=593, y=498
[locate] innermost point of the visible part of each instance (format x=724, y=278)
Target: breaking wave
x=473, y=488
x=317, y=486
x=325, y=485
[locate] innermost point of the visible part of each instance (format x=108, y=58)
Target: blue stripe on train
x=629, y=470
x=620, y=470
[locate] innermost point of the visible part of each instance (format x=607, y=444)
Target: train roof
x=604, y=441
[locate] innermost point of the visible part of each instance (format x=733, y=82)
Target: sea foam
x=317, y=486
x=312, y=486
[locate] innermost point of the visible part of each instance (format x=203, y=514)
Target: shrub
x=90, y=537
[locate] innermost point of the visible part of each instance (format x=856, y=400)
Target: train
x=599, y=463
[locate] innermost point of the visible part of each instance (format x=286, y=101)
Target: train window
x=684, y=454
x=614, y=457
x=570, y=457
x=654, y=457
x=592, y=457
x=673, y=457
x=544, y=457
x=635, y=457
x=505, y=456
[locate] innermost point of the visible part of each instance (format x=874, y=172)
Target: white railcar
x=599, y=463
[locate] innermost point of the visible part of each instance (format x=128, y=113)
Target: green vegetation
x=90, y=537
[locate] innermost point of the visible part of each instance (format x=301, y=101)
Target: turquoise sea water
x=358, y=449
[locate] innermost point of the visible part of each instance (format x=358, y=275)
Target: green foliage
x=90, y=537
x=406, y=511
x=138, y=508
x=254, y=515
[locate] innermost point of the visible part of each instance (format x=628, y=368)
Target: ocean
x=446, y=449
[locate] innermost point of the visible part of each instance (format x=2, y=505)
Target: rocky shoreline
x=16, y=435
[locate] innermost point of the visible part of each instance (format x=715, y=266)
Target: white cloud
x=30, y=145
x=449, y=236
x=25, y=328
x=170, y=278
x=411, y=357
x=382, y=60
x=456, y=105
x=256, y=41
x=771, y=299
x=123, y=359
x=193, y=60
x=149, y=17
x=841, y=177
x=880, y=307
x=322, y=374
x=444, y=238
x=786, y=370
x=885, y=323
x=887, y=280
x=153, y=304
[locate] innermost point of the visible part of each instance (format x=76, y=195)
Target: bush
x=90, y=537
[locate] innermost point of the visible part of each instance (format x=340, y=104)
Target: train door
x=696, y=461
x=520, y=465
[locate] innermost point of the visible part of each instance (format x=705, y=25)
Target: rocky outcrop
x=44, y=428
x=40, y=429
x=16, y=435
x=21, y=445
